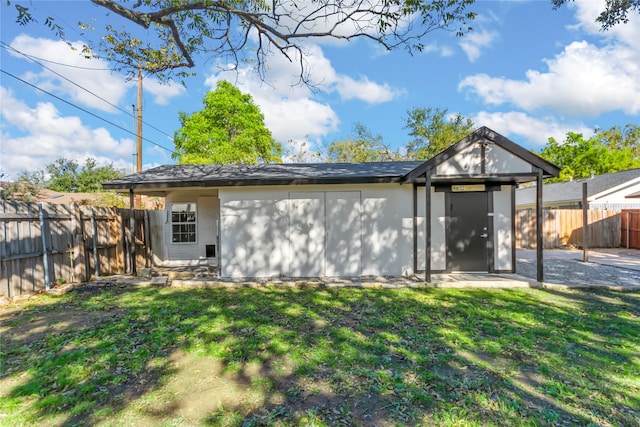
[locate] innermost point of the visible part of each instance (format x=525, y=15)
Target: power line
x=6, y=46
x=85, y=110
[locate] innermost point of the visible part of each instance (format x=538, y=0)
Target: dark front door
x=467, y=232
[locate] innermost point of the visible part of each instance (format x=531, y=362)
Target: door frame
x=489, y=249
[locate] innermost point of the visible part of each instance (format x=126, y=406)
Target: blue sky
x=526, y=71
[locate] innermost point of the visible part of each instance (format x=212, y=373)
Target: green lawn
x=277, y=356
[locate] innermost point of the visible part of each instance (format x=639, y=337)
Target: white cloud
x=586, y=78
x=364, y=90
x=473, y=42
x=162, y=92
x=47, y=136
x=588, y=11
x=534, y=130
x=582, y=80
x=81, y=73
x=97, y=79
x=292, y=111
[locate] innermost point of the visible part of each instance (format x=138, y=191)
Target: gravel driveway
x=566, y=267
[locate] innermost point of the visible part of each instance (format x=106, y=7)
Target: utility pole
x=139, y=134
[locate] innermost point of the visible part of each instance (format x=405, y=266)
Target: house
x=611, y=191
x=347, y=219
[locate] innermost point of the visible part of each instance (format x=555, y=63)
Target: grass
x=274, y=356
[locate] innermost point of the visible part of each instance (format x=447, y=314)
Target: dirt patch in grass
x=18, y=327
x=321, y=357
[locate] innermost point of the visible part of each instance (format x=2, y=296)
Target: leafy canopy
x=229, y=129
x=579, y=158
x=615, y=11
x=62, y=175
x=167, y=36
x=433, y=130
x=362, y=147
x=68, y=176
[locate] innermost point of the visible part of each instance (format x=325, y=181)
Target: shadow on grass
x=323, y=356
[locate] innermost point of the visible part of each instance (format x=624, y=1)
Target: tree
x=619, y=139
x=362, y=147
x=91, y=176
x=302, y=152
x=433, y=130
x=67, y=176
x=229, y=129
x=63, y=175
x=579, y=158
x=177, y=31
x=615, y=12
x=26, y=189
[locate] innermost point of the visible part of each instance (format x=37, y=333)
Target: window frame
x=184, y=222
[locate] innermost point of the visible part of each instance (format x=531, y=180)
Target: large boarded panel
x=307, y=234
x=438, y=226
x=344, y=233
x=254, y=233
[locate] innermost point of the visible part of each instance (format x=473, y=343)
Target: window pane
x=184, y=221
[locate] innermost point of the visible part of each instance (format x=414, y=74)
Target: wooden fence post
x=45, y=249
x=94, y=240
x=628, y=227
x=147, y=239
x=80, y=267
x=585, y=223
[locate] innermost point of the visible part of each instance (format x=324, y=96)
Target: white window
x=183, y=223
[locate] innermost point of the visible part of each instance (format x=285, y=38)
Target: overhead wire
x=85, y=111
x=30, y=57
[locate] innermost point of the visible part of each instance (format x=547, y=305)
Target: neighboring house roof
x=50, y=196
x=598, y=187
x=182, y=176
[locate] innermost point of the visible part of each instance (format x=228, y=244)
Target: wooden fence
x=47, y=244
x=563, y=227
x=630, y=228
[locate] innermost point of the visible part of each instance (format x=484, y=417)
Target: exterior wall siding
x=499, y=160
x=438, y=227
x=206, y=217
x=315, y=231
x=502, y=232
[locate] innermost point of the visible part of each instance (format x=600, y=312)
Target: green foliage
x=248, y=31
x=433, y=131
x=325, y=356
x=302, y=152
x=621, y=139
x=67, y=176
x=579, y=157
x=615, y=12
x=362, y=147
x=63, y=175
x=229, y=129
x=25, y=189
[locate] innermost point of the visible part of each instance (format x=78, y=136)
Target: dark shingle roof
x=263, y=174
x=572, y=191
x=180, y=176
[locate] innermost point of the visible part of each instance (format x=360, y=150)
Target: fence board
x=630, y=228
x=69, y=244
x=564, y=227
